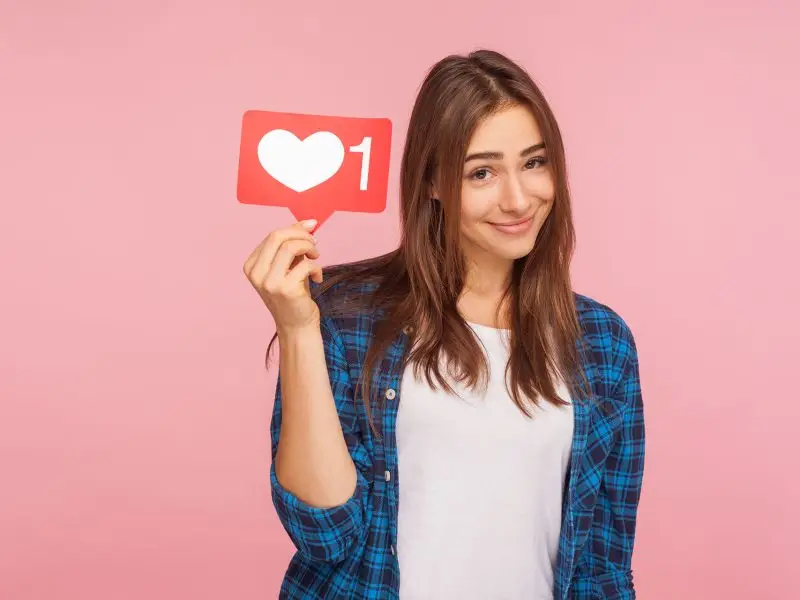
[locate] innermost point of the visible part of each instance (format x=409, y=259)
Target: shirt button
x=392, y=549
x=390, y=394
x=387, y=475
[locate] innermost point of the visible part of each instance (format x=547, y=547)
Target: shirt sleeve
x=623, y=484
x=326, y=534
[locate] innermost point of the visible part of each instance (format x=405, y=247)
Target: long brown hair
x=420, y=282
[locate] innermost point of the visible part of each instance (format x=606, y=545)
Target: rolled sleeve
x=321, y=534
x=611, y=585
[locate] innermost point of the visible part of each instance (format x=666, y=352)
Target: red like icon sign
x=314, y=165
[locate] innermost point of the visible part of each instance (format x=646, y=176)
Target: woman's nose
x=514, y=198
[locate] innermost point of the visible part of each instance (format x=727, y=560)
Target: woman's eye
x=480, y=174
x=537, y=161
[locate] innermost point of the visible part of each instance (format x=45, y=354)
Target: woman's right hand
x=279, y=269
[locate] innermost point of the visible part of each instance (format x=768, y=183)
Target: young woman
x=451, y=420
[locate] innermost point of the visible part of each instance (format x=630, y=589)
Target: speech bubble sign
x=314, y=165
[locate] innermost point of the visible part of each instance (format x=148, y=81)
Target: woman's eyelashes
x=483, y=173
x=479, y=174
x=536, y=162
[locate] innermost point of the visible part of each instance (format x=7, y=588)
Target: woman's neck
x=483, y=306
x=485, y=285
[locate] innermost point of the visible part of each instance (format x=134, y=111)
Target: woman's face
x=507, y=187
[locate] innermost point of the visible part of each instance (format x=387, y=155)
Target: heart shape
x=300, y=164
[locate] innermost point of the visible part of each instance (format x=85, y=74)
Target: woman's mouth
x=514, y=227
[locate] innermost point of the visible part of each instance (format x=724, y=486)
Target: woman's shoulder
x=603, y=327
x=342, y=283
x=345, y=299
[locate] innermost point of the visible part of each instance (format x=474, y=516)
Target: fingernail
x=309, y=224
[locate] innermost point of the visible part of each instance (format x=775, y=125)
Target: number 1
x=364, y=147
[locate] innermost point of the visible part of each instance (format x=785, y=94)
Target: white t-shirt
x=481, y=488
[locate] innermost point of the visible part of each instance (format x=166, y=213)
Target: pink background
x=134, y=441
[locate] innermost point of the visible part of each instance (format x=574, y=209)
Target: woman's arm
x=612, y=576
x=318, y=475
x=312, y=460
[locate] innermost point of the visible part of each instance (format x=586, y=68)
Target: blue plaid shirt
x=349, y=551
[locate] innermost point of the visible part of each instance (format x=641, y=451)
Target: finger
x=253, y=258
x=306, y=268
x=277, y=234
x=312, y=254
x=277, y=239
x=272, y=244
x=316, y=273
x=285, y=257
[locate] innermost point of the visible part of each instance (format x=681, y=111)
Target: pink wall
x=134, y=406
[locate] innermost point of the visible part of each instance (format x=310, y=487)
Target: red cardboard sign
x=314, y=165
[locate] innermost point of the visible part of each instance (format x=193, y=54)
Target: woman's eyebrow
x=494, y=155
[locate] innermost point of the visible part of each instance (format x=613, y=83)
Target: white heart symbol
x=300, y=164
